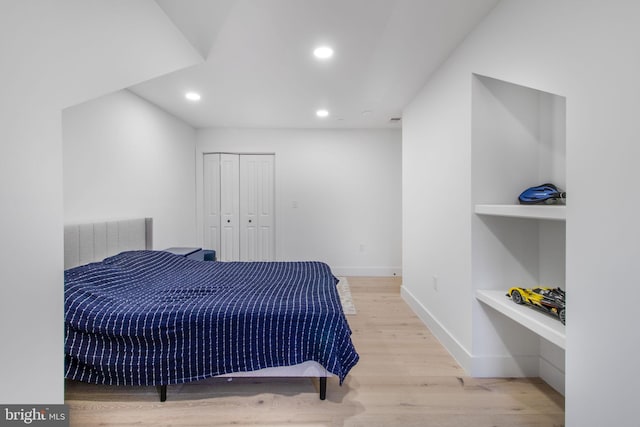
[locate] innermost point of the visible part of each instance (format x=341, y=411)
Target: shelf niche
x=518, y=141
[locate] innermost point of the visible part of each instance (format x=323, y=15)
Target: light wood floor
x=404, y=377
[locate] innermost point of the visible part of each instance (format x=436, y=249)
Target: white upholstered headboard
x=85, y=243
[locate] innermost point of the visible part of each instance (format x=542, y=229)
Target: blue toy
x=545, y=193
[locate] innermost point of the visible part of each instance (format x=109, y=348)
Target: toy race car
x=550, y=300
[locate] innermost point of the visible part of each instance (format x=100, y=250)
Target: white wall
x=346, y=185
x=125, y=158
x=586, y=52
x=52, y=55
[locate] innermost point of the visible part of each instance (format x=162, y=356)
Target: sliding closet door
x=257, y=242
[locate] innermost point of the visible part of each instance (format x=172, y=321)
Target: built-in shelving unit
x=543, y=324
x=551, y=212
x=518, y=141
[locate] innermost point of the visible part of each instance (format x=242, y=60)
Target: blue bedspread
x=153, y=318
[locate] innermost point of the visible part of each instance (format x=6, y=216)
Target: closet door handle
x=228, y=220
x=249, y=220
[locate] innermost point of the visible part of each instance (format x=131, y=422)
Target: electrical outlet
x=435, y=283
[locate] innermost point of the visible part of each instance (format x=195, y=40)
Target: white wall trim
x=552, y=375
x=505, y=366
x=367, y=271
x=486, y=365
x=450, y=343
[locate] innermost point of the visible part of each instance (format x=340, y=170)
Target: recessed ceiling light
x=192, y=96
x=322, y=113
x=323, y=52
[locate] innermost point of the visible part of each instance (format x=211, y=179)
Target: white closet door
x=257, y=237
x=239, y=197
x=212, y=201
x=229, y=249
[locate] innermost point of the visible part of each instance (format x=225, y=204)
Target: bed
x=134, y=316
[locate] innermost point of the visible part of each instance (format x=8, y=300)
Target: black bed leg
x=323, y=388
x=163, y=393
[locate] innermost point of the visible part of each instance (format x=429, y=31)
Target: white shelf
x=541, y=323
x=553, y=212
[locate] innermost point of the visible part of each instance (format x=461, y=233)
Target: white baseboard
x=453, y=346
x=477, y=366
x=552, y=375
x=505, y=366
x=367, y=271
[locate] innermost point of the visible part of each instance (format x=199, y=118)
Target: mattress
x=154, y=318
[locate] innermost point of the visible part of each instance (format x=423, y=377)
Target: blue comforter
x=153, y=318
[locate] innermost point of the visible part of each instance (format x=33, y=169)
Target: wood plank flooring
x=404, y=377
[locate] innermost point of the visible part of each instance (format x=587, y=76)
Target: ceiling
x=259, y=69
